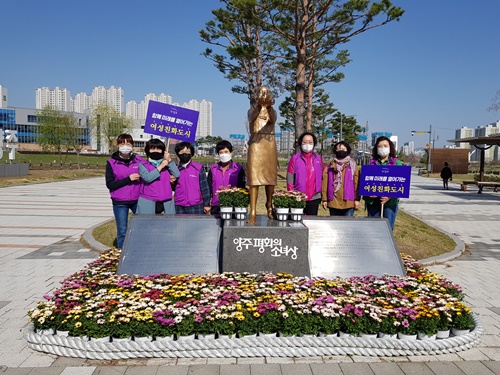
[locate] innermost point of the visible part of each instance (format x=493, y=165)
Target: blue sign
x=171, y=121
x=237, y=136
x=385, y=181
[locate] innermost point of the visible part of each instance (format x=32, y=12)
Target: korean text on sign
x=171, y=121
x=385, y=181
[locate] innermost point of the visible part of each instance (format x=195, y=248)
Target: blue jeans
x=147, y=207
x=390, y=212
x=121, y=219
x=341, y=212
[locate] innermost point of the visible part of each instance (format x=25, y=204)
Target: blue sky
x=439, y=65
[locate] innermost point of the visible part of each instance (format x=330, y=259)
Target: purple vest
x=158, y=190
x=218, y=180
x=348, y=184
x=188, y=191
x=301, y=173
x=121, y=170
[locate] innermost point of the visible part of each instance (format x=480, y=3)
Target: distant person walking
x=446, y=175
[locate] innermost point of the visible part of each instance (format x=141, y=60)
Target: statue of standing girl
x=262, y=152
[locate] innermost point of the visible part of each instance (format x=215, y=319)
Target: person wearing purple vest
x=340, y=192
x=304, y=172
x=157, y=174
x=224, y=173
x=192, y=194
x=123, y=182
x=383, y=153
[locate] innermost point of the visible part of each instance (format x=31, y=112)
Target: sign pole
x=382, y=210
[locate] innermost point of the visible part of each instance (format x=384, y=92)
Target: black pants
x=312, y=207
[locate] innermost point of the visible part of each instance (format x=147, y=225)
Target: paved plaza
x=40, y=230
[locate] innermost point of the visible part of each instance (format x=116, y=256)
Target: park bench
x=480, y=185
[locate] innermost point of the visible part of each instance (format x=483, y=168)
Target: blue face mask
x=156, y=163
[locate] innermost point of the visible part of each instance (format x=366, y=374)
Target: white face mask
x=307, y=148
x=225, y=157
x=125, y=150
x=384, y=151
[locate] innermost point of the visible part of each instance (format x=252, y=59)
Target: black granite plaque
x=266, y=246
x=345, y=247
x=175, y=245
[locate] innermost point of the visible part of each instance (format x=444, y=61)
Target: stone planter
x=382, y=335
x=423, y=336
x=443, y=334
x=459, y=332
x=226, y=213
x=240, y=213
x=404, y=336
x=296, y=214
x=281, y=213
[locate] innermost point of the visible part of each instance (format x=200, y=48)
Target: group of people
x=336, y=186
x=145, y=185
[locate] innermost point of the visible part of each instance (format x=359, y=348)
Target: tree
x=322, y=114
x=236, y=29
x=276, y=41
x=107, y=124
x=58, y=130
x=325, y=119
x=495, y=103
x=208, y=142
x=314, y=29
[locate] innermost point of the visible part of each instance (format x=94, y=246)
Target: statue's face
x=265, y=95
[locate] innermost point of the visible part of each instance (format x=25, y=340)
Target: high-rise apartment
x=58, y=98
x=138, y=111
x=112, y=96
x=82, y=103
x=205, y=116
x=3, y=97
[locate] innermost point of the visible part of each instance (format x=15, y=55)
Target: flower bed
x=96, y=302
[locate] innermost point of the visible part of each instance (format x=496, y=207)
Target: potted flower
x=246, y=324
x=427, y=324
x=388, y=327
x=408, y=328
x=444, y=325
x=289, y=200
x=463, y=321
x=233, y=199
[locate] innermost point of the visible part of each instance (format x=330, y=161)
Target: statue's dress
x=262, y=154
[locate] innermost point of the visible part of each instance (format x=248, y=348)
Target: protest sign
x=171, y=121
x=385, y=181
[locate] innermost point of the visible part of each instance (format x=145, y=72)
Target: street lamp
x=341, y=116
x=429, y=147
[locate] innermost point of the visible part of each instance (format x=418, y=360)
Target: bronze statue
x=262, y=153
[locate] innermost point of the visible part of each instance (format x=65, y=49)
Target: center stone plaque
x=174, y=245
x=348, y=247
x=266, y=246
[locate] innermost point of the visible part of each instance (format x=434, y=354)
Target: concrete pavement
x=40, y=228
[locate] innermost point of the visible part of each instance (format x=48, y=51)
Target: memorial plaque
x=345, y=247
x=175, y=245
x=266, y=246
